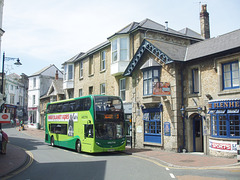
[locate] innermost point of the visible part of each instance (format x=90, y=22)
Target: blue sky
x=47, y=32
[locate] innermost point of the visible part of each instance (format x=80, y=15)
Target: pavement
x=17, y=158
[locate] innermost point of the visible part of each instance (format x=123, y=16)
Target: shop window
x=152, y=125
x=225, y=125
x=231, y=78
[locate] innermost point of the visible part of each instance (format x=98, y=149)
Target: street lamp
x=18, y=63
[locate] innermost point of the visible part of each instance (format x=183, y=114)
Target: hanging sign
x=162, y=89
x=4, y=117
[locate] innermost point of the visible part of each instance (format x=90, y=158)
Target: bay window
x=120, y=49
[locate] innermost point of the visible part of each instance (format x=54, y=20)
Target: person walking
x=4, y=142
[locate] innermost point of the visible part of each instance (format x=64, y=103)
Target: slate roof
x=149, y=24
x=214, y=46
x=44, y=69
x=74, y=58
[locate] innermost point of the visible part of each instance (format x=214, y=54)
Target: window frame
x=150, y=80
x=81, y=69
x=103, y=60
x=122, y=88
x=117, y=48
x=70, y=72
x=103, y=89
x=231, y=75
x=195, y=81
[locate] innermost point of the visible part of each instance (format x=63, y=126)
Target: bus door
x=88, y=137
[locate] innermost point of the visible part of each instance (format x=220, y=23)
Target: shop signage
x=162, y=89
x=227, y=104
x=167, y=129
x=4, y=117
x=226, y=146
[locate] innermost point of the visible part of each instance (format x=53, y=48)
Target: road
x=59, y=163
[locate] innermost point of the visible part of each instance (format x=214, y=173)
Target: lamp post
x=18, y=63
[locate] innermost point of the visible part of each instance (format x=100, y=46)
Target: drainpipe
x=183, y=116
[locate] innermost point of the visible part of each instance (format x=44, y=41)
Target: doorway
x=197, y=133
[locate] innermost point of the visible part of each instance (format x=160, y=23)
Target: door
x=197, y=134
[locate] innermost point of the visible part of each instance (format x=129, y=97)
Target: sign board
x=4, y=117
x=226, y=146
x=167, y=129
x=162, y=89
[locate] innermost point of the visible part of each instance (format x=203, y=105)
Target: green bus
x=93, y=123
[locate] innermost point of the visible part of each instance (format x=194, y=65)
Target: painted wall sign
x=226, y=104
x=167, y=129
x=226, y=146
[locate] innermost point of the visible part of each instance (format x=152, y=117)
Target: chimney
x=204, y=22
x=56, y=75
x=166, y=25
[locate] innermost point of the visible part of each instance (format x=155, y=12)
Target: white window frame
x=81, y=69
x=103, y=61
x=70, y=73
x=116, y=50
x=122, y=89
x=103, y=89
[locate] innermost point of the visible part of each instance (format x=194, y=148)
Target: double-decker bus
x=93, y=123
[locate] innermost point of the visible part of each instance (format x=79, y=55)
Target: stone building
x=174, y=85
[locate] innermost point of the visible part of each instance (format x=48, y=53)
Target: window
x=90, y=72
x=65, y=72
x=195, y=80
x=225, y=125
x=122, y=88
x=152, y=125
x=230, y=75
x=90, y=90
x=102, y=89
x=34, y=82
x=70, y=72
x=34, y=99
x=120, y=49
x=81, y=69
x=12, y=97
x=80, y=92
x=103, y=60
x=149, y=78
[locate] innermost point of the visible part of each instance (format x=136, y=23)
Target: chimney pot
x=56, y=75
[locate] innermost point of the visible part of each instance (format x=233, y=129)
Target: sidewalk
x=16, y=157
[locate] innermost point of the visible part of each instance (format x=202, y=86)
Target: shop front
x=32, y=117
x=225, y=127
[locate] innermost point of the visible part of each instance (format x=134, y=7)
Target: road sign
x=4, y=117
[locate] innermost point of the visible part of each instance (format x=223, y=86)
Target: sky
x=44, y=32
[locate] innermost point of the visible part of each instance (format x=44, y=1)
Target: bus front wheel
x=78, y=146
x=52, y=141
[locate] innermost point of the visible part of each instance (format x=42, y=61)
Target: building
x=54, y=93
x=15, y=94
x=180, y=90
x=39, y=84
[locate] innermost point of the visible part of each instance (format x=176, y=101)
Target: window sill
x=102, y=71
x=151, y=144
x=90, y=75
x=194, y=95
x=81, y=78
x=225, y=139
x=230, y=91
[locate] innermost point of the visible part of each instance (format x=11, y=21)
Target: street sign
x=4, y=117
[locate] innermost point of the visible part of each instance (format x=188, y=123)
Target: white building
x=39, y=84
x=14, y=93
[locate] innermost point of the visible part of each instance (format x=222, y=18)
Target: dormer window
x=120, y=49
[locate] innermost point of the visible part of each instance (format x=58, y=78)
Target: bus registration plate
x=110, y=150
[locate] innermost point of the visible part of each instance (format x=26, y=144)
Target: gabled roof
x=56, y=88
x=44, y=69
x=191, y=33
x=150, y=47
x=213, y=46
x=148, y=24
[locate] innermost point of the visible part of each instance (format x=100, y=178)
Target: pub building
x=225, y=127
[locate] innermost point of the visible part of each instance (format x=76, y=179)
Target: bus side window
x=59, y=107
x=72, y=106
x=77, y=107
x=65, y=107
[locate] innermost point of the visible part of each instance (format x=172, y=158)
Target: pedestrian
x=4, y=142
x=12, y=122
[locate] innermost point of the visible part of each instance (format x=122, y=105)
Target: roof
x=213, y=46
x=43, y=70
x=73, y=59
x=151, y=25
x=56, y=88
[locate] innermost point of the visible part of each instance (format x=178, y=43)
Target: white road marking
x=172, y=176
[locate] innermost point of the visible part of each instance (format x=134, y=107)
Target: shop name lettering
x=58, y=117
x=230, y=104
